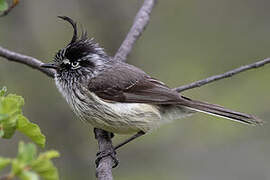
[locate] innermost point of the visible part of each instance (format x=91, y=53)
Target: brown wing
x=126, y=83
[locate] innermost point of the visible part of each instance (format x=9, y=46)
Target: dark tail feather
x=221, y=111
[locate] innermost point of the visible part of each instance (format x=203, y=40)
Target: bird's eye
x=75, y=64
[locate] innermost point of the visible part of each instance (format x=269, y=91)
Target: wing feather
x=126, y=83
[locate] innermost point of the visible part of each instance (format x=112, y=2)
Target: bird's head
x=81, y=57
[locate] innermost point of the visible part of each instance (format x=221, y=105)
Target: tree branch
x=223, y=76
x=140, y=22
x=104, y=169
x=26, y=60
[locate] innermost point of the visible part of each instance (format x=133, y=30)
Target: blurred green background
x=185, y=41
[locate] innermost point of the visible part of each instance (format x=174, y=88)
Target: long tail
x=217, y=110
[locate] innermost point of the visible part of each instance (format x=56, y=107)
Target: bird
x=118, y=97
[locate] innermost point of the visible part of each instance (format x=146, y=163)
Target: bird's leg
x=109, y=150
x=102, y=154
x=140, y=133
x=112, y=152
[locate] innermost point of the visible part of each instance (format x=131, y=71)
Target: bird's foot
x=106, y=153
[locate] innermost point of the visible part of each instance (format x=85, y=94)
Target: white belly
x=121, y=117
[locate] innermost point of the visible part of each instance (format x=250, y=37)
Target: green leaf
x=3, y=5
x=31, y=130
x=2, y=133
x=44, y=166
x=11, y=104
x=17, y=167
x=28, y=175
x=29, y=166
x=18, y=99
x=4, y=162
x=46, y=169
x=49, y=155
x=4, y=89
x=26, y=153
x=10, y=108
x=2, y=118
x=11, y=118
x=8, y=126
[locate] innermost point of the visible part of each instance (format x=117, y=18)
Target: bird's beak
x=49, y=65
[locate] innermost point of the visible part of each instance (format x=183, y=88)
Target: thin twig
x=13, y=5
x=140, y=22
x=27, y=60
x=222, y=76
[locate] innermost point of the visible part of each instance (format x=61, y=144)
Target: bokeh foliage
x=3, y=5
x=27, y=165
x=12, y=119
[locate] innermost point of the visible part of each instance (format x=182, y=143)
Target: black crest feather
x=74, y=25
x=79, y=47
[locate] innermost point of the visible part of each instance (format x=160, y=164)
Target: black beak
x=49, y=65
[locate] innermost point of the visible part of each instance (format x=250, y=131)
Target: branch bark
x=104, y=170
x=223, y=76
x=26, y=60
x=140, y=22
